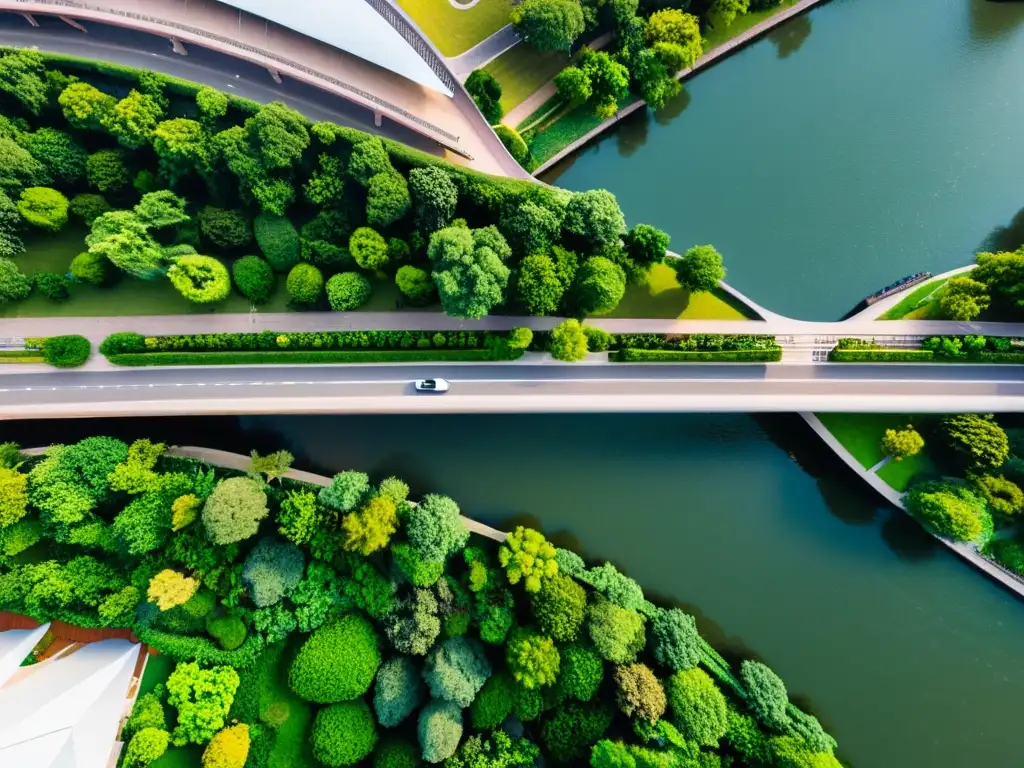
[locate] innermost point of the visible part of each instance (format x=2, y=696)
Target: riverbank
x=553, y=153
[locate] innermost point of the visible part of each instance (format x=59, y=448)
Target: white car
x=432, y=385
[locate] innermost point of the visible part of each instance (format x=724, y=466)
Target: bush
x=698, y=707
x=952, y=512
x=347, y=291
x=559, y=607
x=494, y=702
x=526, y=555
x=52, y=286
x=387, y=199
x=671, y=356
x=278, y=240
x=766, y=694
x=88, y=207
x=639, y=693
x=369, y=249
x=234, y=509
x=346, y=491
x=368, y=159
x=598, y=340
x=14, y=286
x=1003, y=496
x=90, y=268
x=568, y=342
x=228, y=631
x=200, y=279
x=419, y=572
x=456, y=670
x=435, y=527
x=145, y=746
x=305, y=283
x=396, y=753
x=743, y=734
x=337, y=662
x=66, y=351
x=572, y=728
x=203, y=698
x=676, y=640
x=1008, y=553
x=228, y=749
x=148, y=712
x=617, y=633
x=343, y=734
x=902, y=442
x=977, y=440
x=398, y=691
x=440, y=730
x=513, y=142
x=581, y=673
x=272, y=570
x=416, y=285
x=486, y=92
x=254, y=278
x=225, y=229
x=838, y=355
x=532, y=659
x=44, y=208
x=106, y=170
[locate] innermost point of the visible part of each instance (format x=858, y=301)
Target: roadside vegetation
x=333, y=624
x=455, y=30
x=938, y=349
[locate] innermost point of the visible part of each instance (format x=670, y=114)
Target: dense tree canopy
x=548, y=25
x=469, y=274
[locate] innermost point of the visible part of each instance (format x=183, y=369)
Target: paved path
x=483, y=52
x=879, y=308
x=894, y=497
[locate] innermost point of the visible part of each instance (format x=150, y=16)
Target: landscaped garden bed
x=59, y=351
x=939, y=349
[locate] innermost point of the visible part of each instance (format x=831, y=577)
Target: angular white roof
x=15, y=645
x=352, y=26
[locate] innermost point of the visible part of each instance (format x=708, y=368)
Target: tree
x=609, y=82
x=279, y=134
x=343, y=734
x=272, y=570
x=305, y=283
x=470, y=277
x=323, y=235
x=963, y=298
x=1003, y=496
x=368, y=159
x=202, y=698
x=532, y=659
x=792, y=752
x=528, y=557
x=766, y=694
x=370, y=528
x=494, y=703
x=135, y=474
x=161, y=210
x=572, y=728
x=396, y=753
x=456, y=669
x=133, y=119
x=646, y=244
x=398, y=691
x=486, y=92
x=440, y=730
x=652, y=76
x=11, y=225
x=698, y=708
x=413, y=625
x=369, y=249
x=700, y=269
x=600, y=285
x=520, y=338
x=169, y=589
x=950, y=511
x=901, y=443
x=13, y=496
x=676, y=640
x=125, y=241
x=14, y=286
x=299, y=517
x=594, y=217
x=200, y=279
x=63, y=157
x=672, y=26
x=346, y=491
x=1003, y=273
x=573, y=86
x=278, y=239
x=617, y=633
x=19, y=169
x=227, y=229
x=978, y=440
x=233, y=510
x=514, y=143
x=212, y=104
x=337, y=662
x=639, y=693
x=434, y=197
x=531, y=228
x=145, y=746
x=387, y=199
x=581, y=673
x=229, y=748
x=548, y=25
x=85, y=106
x=435, y=527
x=722, y=13
x=88, y=207
x=568, y=342
x=254, y=278
x=23, y=76
x=611, y=754
x=560, y=607
x=347, y=291
x=415, y=284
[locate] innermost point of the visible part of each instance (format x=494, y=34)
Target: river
x=909, y=657
x=864, y=141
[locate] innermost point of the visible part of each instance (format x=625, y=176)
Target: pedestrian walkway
x=481, y=54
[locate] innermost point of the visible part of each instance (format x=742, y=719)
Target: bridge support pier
x=29, y=18
x=275, y=75
x=378, y=117
x=72, y=23
x=178, y=47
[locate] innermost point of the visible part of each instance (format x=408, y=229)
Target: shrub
x=394, y=488
x=88, y=207
x=370, y=528
x=953, y=512
x=369, y=249
x=347, y=291
x=440, y=730
x=200, y=279
x=419, y=572
x=790, y=752
x=572, y=728
x=387, y=199
x=305, y=283
x=435, y=527
x=203, y=698
x=225, y=229
x=676, y=640
x=51, y=285
x=600, y=285
x=902, y=442
x=398, y=691
x=1002, y=496
x=646, y=244
x=271, y=571
x=698, y=707
x=106, y=170
x=611, y=754
x=234, y=509
x=581, y=673
x=416, y=285
x=148, y=712
x=299, y=517
x=14, y=286
x=456, y=670
x=368, y=158
x=169, y=588
x=337, y=662
x=617, y=587
x=228, y=749
x=278, y=240
x=145, y=746
x=743, y=734
x=343, y=734
x=513, y=142
x=44, y=208
x=699, y=269
x=90, y=268
x=559, y=607
x=568, y=342
x=228, y=631
x=617, y=634
x=526, y=555
x=254, y=278
x=532, y=659
x=346, y=491
x=396, y=753
x=766, y=694
x=413, y=626
x=434, y=197
x=66, y=351
x=978, y=440
x=486, y=92
x=598, y=340
x=494, y=702
x=639, y=693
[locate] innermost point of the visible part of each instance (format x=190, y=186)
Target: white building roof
x=64, y=712
x=15, y=645
x=352, y=26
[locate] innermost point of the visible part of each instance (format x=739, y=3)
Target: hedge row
x=311, y=356
x=995, y=357
x=695, y=342
x=679, y=356
x=881, y=355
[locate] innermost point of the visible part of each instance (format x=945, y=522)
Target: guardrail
x=412, y=36
x=251, y=49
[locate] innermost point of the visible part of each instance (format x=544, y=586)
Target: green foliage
x=977, y=440
x=396, y=753
x=456, y=670
x=532, y=659
x=254, y=278
x=498, y=750
x=394, y=488
x=600, y=285
x=646, y=244
x=572, y=728
x=440, y=730
x=617, y=633
x=1003, y=496
x=595, y=217
x=434, y=197
x=343, y=734
x=699, y=269
x=494, y=702
x=617, y=587
x=133, y=119
x=148, y=712
x=526, y=555
x=486, y=92
x=398, y=691
x=106, y=171
x=370, y=528
x=200, y=279
x=23, y=77
x=581, y=673
x=347, y=291
x=305, y=283
x=675, y=638
x=468, y=270
x=299, y=517
x=368, y=159
x=44, y=208
x=212, y=103
x=951, y=511
x=234, y=510
x=145, y=746
x=202, y=698
x=278, y=240
x=568, y=341
x=229, y=748
x=369, y=249
x=743, y=734
x=279, y=134
x=337, y=662
x=228, y=631
x=598, y=340
x=66, y=351
x=62, y=156
x=387, y=200
x=326, y=185
x=14, y=286
x=531, y=228
x=538, y=288
x=228, y=229
x=963, y=299
x=1003, y=273
x=513, y=142
x=901, y=443
x=766, y=694
x=639, y=693
x=413, y=625
x=13, y=496
x=416, y=285
x=272, y=569
x=790, y=752
x=611, y=754
x=698, y=708
x=559, y=607
x=51, y=285
x=435, y=527
x=346, y=491
x=548, y=25
x=84, y=106
x=419, y=571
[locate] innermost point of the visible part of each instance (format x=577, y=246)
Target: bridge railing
x=412, y=36
x=251, y=49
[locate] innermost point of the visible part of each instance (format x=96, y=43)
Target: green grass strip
x=294, y=358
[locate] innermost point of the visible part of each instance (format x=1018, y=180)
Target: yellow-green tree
x=169, y=589
x=229, y=748
x=371, y=528
x=527, y=556
x=900, y=443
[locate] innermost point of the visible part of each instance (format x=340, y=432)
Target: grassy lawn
x=284, y=711
x=455, y=31
x=715, y=37
x=898, y=474
x=916, y=305
x=521, y=70
x=662, y=297
x=861, y=434
x=545, y=110
x=158, y=669
x=180, y=757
